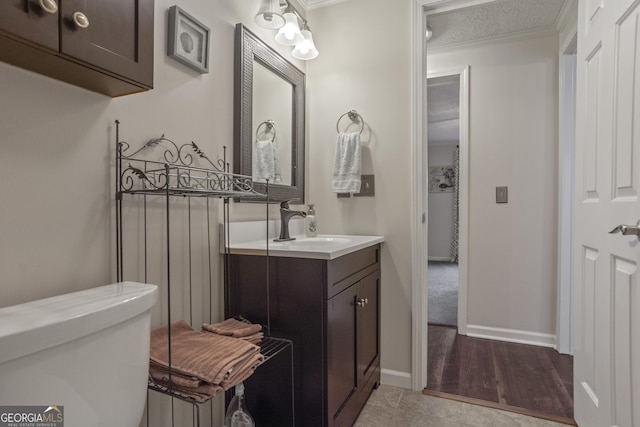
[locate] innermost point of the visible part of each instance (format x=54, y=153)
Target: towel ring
x=270, y=124
x=353, y=116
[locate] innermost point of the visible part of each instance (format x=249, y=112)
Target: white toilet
x=86, y=351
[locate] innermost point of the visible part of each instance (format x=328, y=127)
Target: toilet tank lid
x=41, y=324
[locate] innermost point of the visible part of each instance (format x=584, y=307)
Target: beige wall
x=365, y=64
x=513, y=142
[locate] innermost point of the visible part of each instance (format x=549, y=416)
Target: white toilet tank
x=87, y=353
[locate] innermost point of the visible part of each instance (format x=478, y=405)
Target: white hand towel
x=265, y=162
x=347, y=164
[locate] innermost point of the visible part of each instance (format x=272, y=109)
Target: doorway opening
x=446, y=190
x=443, y=116
x=514, y=369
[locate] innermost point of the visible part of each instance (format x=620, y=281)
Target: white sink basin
x=320, y=247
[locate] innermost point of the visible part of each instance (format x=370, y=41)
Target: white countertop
x=321, y=247
x=249, y=238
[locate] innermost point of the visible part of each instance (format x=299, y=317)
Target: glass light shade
x=269, y=15
x=289, y=34
x=306, y=49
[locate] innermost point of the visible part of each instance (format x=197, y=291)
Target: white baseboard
x=440, y=258
x=512, y=335
x=395, y=378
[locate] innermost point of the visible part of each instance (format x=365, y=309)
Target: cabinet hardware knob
x=362, y=302
x=49, y=6
x=80, y=19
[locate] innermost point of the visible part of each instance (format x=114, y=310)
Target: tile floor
x=392, y=406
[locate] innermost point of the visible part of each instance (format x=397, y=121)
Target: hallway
x=522, y=378
x=443, y=293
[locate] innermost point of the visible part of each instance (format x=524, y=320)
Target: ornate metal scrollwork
x=178, y=169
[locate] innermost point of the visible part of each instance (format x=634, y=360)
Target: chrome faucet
x=285, y=215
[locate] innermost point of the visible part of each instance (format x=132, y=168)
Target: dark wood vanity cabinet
x=112, y=55
x=330, y=309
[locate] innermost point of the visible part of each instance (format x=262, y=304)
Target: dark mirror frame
x=249, y=48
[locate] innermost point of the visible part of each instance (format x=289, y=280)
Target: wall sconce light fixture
x=270, y=16
x=306, y=49
x=289, y=34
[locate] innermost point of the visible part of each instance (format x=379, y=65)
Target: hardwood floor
x=535, y=379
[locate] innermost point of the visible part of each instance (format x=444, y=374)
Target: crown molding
x=316, y=4
x=497, y=39
x=566, y=14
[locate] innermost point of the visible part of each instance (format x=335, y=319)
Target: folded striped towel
x=232, y=328
x=211, y=358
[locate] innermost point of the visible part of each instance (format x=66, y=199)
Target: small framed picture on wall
x=188, y=40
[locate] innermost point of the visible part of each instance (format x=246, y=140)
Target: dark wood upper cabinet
x=119, y=37
x=103, y=46
x=29, y=21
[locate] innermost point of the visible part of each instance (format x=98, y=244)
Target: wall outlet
x=367, y=186
x=502, y=195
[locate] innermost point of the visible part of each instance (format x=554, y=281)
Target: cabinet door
x=341, y=351
x=29, y=21
x=368, y=326
x=118, y=38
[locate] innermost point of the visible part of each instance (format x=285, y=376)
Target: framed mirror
x=269, y=100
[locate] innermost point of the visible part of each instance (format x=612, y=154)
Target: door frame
x=566, y=192
x=463, y=187
x=419, y=257
x=419, y=228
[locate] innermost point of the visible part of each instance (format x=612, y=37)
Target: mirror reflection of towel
x=265, y=162
x=347, y=164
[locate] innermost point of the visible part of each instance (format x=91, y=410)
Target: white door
x=607, y=294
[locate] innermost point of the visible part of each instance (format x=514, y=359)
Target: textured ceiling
x=443, y=111
x=490, y=20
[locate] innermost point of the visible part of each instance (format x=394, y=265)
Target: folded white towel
x=347, y=164
x=265, y=162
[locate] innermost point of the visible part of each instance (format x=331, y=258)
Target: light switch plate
x=502, y=195
x=367, y=186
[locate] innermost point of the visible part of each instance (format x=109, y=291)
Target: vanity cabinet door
x=118, y=37
x=341, y=351
x=28, y=20
x=367, y=326
x=352, y=349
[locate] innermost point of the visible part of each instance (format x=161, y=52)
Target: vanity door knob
x=49, y=6
x=362, y=302
x=80, y=19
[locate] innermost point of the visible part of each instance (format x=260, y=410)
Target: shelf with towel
x=153, y=174
x=269, y=348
